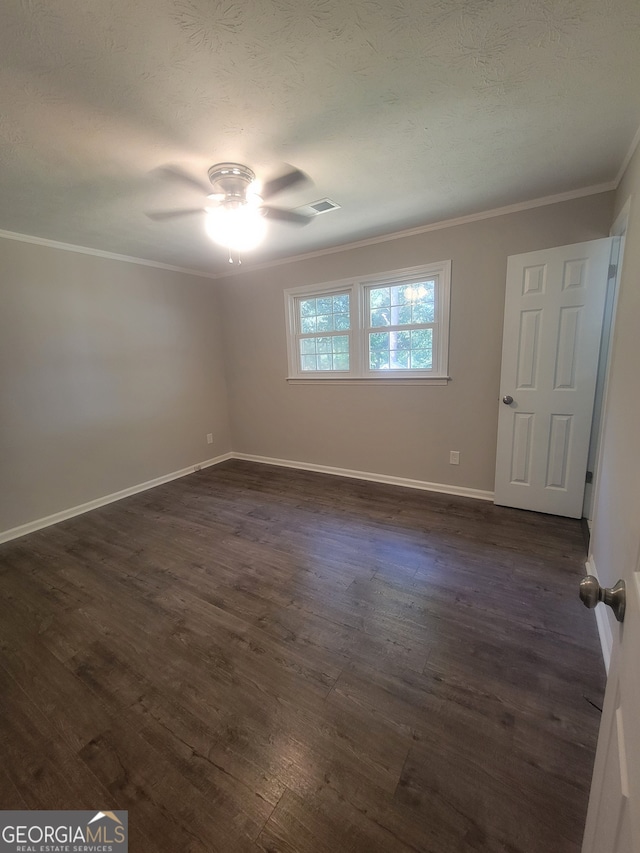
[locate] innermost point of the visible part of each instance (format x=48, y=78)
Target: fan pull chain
x=231, y=261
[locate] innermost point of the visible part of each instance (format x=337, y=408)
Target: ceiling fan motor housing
x=231, y=180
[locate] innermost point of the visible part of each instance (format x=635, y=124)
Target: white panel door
x=552, y=326
x=613, y=819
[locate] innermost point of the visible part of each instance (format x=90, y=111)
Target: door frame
x=603, y=615
x=618, y=229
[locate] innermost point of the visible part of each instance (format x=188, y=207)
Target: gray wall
x=111, y=375
x=402, y=431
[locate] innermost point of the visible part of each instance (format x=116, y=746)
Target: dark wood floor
x=258, y=659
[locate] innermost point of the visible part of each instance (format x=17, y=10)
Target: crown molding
x=99, y=253
x=433, y=226
x=332, y=250
x=632, y=150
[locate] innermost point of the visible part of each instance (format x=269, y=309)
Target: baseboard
x=38, y=524
x=443, y=488
x=602, y=620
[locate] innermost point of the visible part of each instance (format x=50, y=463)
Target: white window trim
x=359, y=372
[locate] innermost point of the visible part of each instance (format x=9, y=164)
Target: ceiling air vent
x=323, y=205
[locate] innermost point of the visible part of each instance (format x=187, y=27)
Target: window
x=400, y=321
x=389, y=327
x=323, y=321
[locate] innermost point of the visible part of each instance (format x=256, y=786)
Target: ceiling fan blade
x=283, y=182
x=281, y=215
x=175, y=173
x=159, y=215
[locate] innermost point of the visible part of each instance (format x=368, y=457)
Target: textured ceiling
x=402, y=111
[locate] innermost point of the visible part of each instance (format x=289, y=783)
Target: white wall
x=111, y=375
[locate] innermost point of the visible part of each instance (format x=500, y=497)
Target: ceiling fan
x=236, y=212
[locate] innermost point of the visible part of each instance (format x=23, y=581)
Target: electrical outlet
x=454, y=457
x=209, y=438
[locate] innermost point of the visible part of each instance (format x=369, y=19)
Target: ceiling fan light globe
x=253, y=198
x=239, y=229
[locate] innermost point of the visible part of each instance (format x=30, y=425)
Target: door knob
x=507, y=399
x=591, y=593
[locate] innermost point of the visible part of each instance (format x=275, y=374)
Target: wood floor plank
x=254, y=658
x=38, y=764
x=324, y=825
x=167, y=807
x=476, y=800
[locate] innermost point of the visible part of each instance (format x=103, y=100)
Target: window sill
x=369, y=380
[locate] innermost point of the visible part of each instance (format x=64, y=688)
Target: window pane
x=422, y=299
x=422, y=349
x=340, y=343
x=402, y=340
x=401, y=295
x=399, y=359
x=329, y=352
x=402, y=350
x=421, y=338
x=308, y=362
x=308, y=308
x=380, y=297
x=379, y=340
x=380, y=317
x=341, y=322
x=401, y=315
x=402, y=304
x=324, y=314
x=379, y=360
x=421, y=359
x=421, y=292
x=423, y=313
